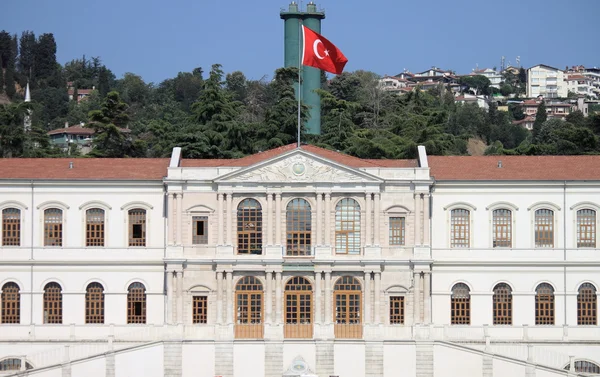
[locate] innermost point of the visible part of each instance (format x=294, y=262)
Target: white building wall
x=147, y=362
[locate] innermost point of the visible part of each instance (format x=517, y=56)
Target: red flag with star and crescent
x=322, y=54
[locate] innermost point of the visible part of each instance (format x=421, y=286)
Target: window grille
x=200, y=235
x=348, y=308
x=94, y=227
x=52, y=303
x=199, y=309
x=397, y=230
x=460, y=233
x=460, y=305
x=587, y=305
x=544, y=305
x=544, y=228
x=347, y=227
x=502, y=224
x=502, y=304
x=11, y=303
x=298, y=308
x=249, y=308
x=136, y=303
x=11, y=227
x=586, y=228
x=298, y=218
x=53, y=226
x=137, y=227
x=249, y=227
x=94, y=303
x=396, y=310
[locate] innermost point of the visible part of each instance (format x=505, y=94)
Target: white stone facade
x=194, y=258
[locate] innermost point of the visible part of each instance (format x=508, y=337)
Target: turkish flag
x=322, y=54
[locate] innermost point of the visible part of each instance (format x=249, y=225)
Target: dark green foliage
x=27, y=45
x=540, y=118
x=478, y=84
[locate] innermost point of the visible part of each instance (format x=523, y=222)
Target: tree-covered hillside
x=219, y=115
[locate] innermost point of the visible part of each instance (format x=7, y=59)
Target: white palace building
x=300, y=262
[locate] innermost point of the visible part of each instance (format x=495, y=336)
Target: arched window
x=298, y=308
x=348, y=308
x=11, y=303
x=502, y=225
x=298, y=227
x=11, y=227
x=460, y=228
x=583, y=366
x=587, y=305
x=13, y=364
x=136, y=303
x=544, y=304
x=460, y=313
x=502, y=304
x=52, y=303
x=137, y=227
x=544, y=228
x=249, y=308
x=347, y=227
x=94, y=219
x=249, y=226
x=586, y=228
x=53, y=219
x=94, y=303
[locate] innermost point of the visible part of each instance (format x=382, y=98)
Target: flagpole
x=300, y=34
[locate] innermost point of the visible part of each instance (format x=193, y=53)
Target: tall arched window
x=249, y=226
x=544, y=228
x=347, y=227
x=249, y=308
x=298, y=227
x=94, y=223
x=13, y=364
x=460, y=233
x=502, y=224
x=136, y=303
x=52, y=303
x=137, y=227
x=587, y=305
x=544, y=304
x=53, y=221
x=583, y=366
x=460, y=313
x=586, y=228
x=11, y=227
x=94, y=303
x=502, y=304
x=298, y=308
x=11, y=303
x=348, y=308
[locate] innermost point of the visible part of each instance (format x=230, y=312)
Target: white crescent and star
x=316, y=50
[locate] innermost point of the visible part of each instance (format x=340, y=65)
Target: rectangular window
x=53, y=227
x=396, y=310
x=586, y=228
x=502, y=228
x=137, y=227
x=459, y=235
x=397, y=230
x=200, y=235
x=544, y=228
x=94, y=227
x=199, y=309
x=11, y=227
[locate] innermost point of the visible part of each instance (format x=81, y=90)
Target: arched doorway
x=298, y=308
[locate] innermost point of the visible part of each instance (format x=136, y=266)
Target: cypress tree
x=26, y=55
x=44, y=65
x=1, y=76
x=540, y=118
x=9, y=74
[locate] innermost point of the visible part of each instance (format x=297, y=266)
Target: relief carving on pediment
x=298, y=169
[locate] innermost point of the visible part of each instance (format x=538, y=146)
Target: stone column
x=377, y=306
x=427, y=298
x=367, y=300
x=180, y=296
x=220, y=221
x=229, y=305
x=417, y=219
x=368, y=217
x=318, y=315
x=171, y=219
x=269, y=219
x=328, y=298
x=426, y=221
x=278, y=219
x=319, y=219
x=219, y=297
x=423, y=218
x=377, y=216
x=328, y=219
x=179, y=219
x=278, y=298
x=169, y=297
x=230, y=225
x=269, y=297
x=417, y=298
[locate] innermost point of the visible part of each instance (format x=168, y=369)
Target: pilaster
x=220, y=222
x=229, y=216
x=278, y=219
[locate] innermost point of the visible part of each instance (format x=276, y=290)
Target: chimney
x=66, y=124
x=499, y=163
x=71, y=165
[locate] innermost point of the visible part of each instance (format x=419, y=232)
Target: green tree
x=109, y=138
x=540, y=118
x=479, y=84
x=576, y=118
x=45, y=65
x=27, y=46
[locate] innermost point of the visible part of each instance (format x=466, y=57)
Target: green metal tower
x=311, y=77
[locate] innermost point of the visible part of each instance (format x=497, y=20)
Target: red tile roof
x=338, y=157
x=84, y=168
x=527, y=168
x=73, y=130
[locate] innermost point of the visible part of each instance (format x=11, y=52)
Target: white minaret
x=27, y=122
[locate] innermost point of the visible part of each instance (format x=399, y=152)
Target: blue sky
x=158, y=38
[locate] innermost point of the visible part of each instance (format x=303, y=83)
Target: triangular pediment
x=298, y=166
